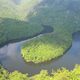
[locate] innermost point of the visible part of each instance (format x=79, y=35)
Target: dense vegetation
x=13, y=20
x=61, y=74
x=17, y=9
x=23, y=19
x=11, y=30
x=63, y=16
x=20, y=20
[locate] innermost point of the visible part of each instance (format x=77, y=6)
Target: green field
x=11, y=30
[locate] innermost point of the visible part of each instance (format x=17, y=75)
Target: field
x=11, y=30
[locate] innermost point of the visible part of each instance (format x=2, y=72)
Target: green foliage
x=9, y=8
x=60, y=74
x=11, y=30
x=12, y=16
x=63, y=16
x=3, y=74
x=18, y=76
x=58, y=14
x=75, y=74
x=42, y=76
x=38, y=50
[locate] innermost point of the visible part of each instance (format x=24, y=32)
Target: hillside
x=17, y=9
x=14, y=22
x=63, y=16
x=48, y=27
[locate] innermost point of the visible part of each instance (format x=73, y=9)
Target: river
x=10, y=57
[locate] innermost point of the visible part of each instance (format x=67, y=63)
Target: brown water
x=10, y=58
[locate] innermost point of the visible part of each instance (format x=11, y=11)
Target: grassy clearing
x=60, y=74
x=64, y=18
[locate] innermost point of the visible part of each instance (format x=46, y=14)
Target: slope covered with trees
x=14, y=24
x=17, y=9
x=63, y=16
x=60, y=74
x=24, y=18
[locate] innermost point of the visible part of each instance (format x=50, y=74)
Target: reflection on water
x=10, y=57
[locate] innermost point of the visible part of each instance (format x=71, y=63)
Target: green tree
x=18, y=76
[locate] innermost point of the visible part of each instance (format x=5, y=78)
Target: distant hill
x=17, y=9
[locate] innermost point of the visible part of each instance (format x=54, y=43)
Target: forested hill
x=20, y=19
x=17, y=9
